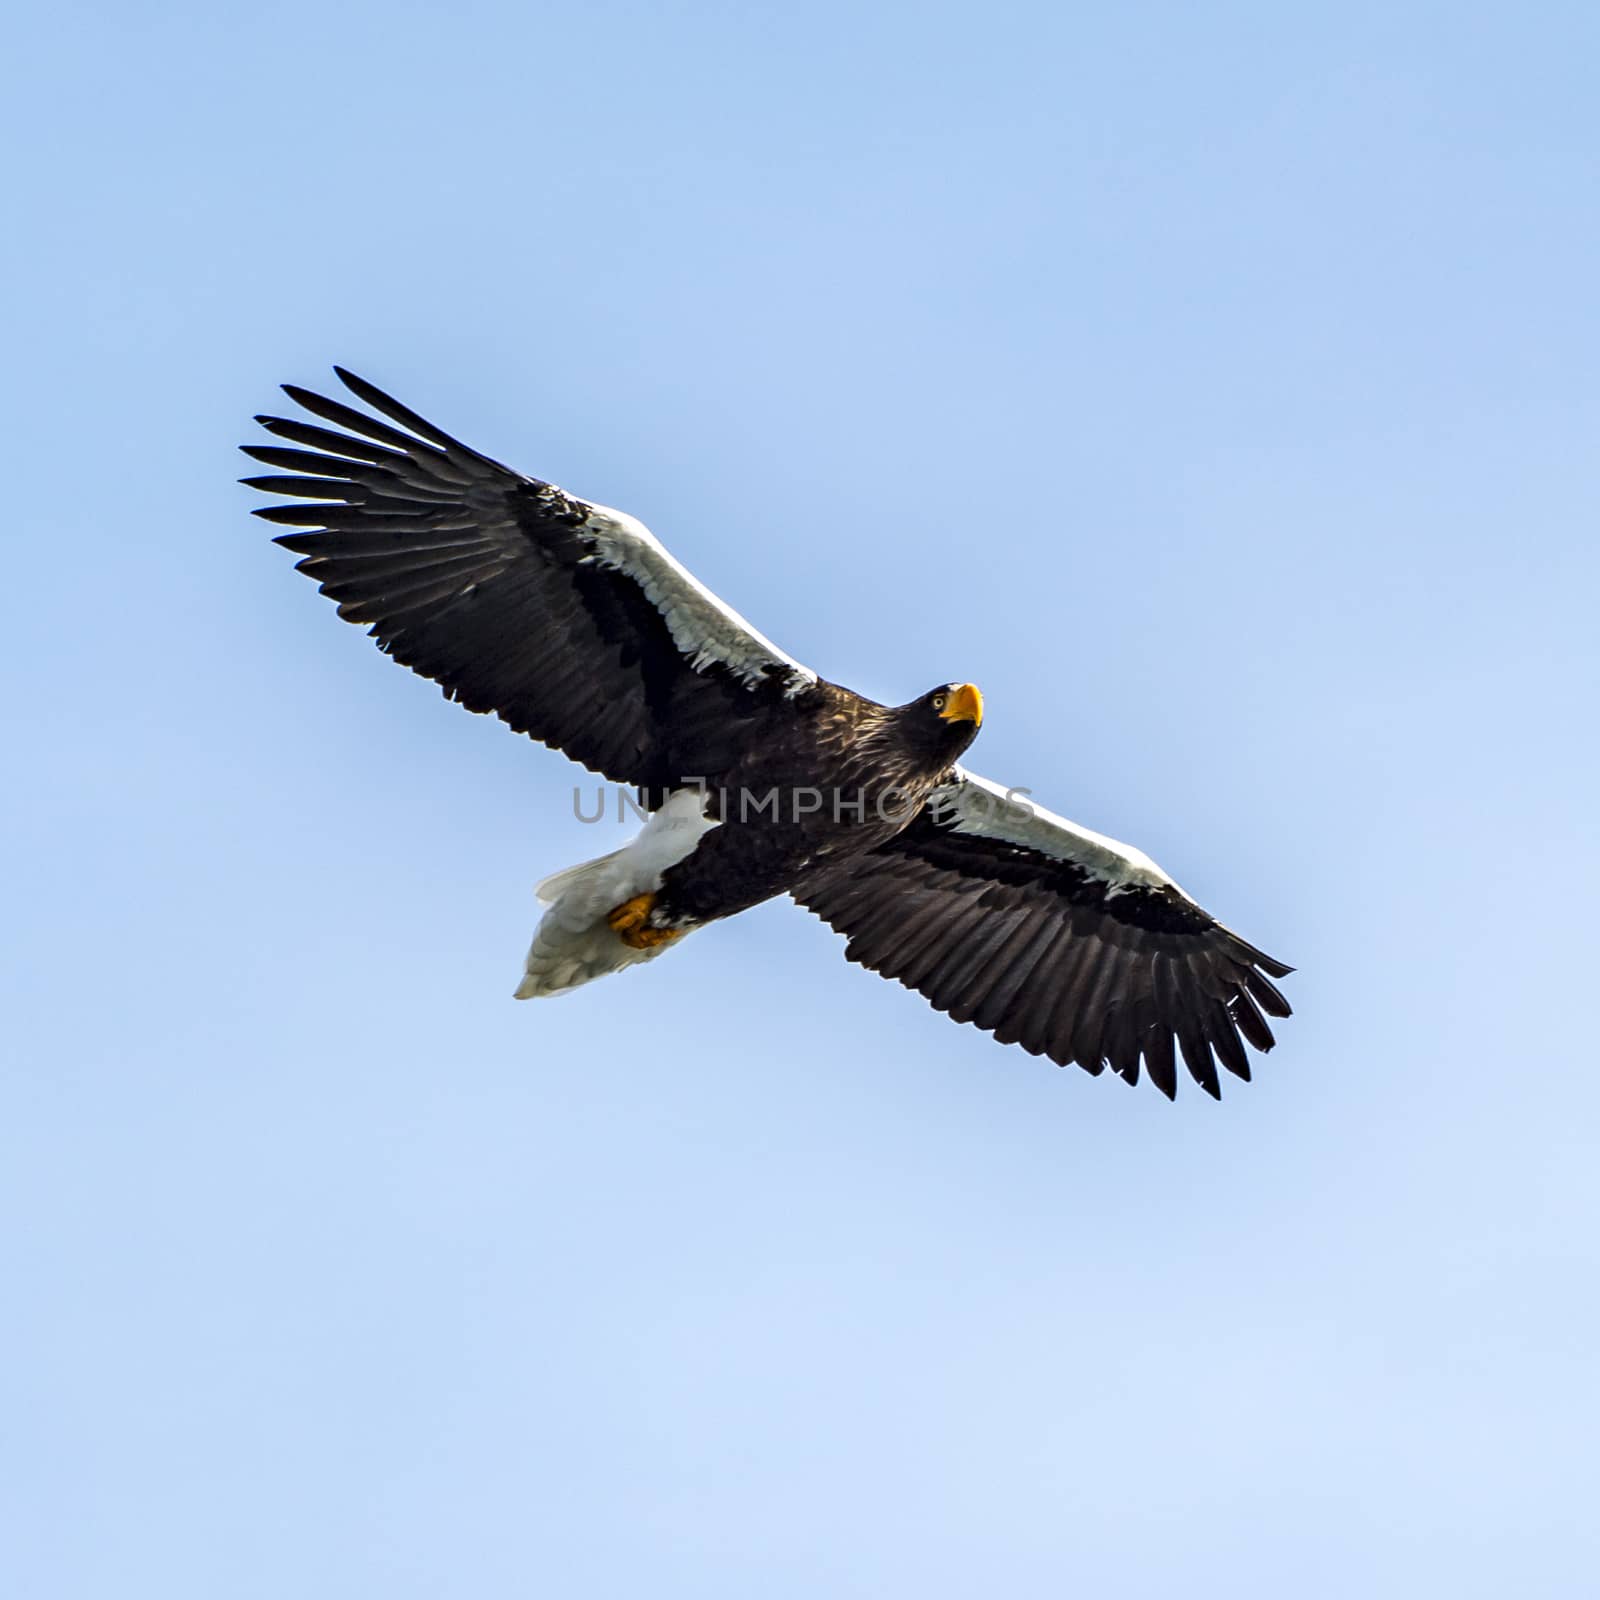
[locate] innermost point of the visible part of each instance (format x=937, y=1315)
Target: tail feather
x=549, y=890
x=561, y=959
x=573, y=943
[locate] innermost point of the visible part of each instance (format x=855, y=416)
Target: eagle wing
x=566, y=619
x=1052, y=937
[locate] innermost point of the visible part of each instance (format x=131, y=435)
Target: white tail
x=573, y=942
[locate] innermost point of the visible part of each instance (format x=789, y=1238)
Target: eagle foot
x=630, y=920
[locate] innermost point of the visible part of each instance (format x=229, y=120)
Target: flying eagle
x=573, y=624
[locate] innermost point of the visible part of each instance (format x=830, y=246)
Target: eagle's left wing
x=1052, y=937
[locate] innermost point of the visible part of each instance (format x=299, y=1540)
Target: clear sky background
x=1216, y=386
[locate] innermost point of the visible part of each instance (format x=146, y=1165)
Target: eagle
x=756, y=777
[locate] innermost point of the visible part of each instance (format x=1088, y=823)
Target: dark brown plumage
x=571, y=623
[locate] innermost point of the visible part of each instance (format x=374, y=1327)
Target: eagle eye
x=940, y=700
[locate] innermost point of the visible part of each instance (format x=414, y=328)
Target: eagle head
x=944, y=721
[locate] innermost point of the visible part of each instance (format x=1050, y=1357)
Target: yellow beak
x=964, y=705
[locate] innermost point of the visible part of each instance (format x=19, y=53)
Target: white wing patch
x=703, y=627
x=984, y=808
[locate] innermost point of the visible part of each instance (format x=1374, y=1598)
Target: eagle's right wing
x=566, y=619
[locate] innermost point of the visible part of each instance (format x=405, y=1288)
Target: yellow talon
x=627, y=921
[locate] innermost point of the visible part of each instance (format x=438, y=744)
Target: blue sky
x=1215, y=385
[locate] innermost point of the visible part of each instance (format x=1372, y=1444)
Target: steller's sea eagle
x=574, y=625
